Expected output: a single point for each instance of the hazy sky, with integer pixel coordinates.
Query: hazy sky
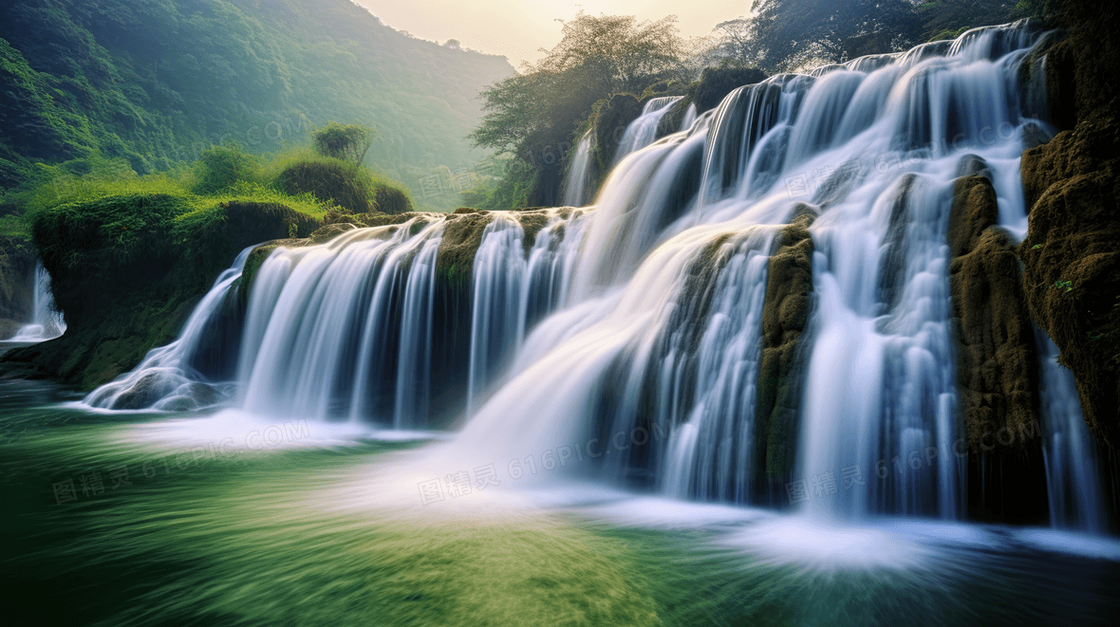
(518, 28)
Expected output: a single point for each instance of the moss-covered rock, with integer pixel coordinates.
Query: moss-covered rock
(997, 360)
(785, 316)
(17, 281)
(609, 123)
(1083, 70)
(127, 270)
(255, 222)
(461, 238)
(716, 83)
(1071, 274)
(330, 180)
(390, 199)
(1072, 264)
(331, 231)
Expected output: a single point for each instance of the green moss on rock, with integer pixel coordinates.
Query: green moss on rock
(127, 271)
(17, 281)
(1071, 263)
(332, 181)
(997, 360)
(391, 199)
(461, 238)
(785, 316)
(609, 123)
(716, 83)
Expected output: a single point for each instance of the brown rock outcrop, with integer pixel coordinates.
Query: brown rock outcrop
(1072, 260)
(997, 360)
(785, 315)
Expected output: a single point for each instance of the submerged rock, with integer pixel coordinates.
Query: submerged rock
(892, 265)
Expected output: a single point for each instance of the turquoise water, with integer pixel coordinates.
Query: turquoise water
(316, 530)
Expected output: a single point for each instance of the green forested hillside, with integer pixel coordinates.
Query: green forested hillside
(155, 82)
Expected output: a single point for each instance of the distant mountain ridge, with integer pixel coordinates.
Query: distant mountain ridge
(156, 81)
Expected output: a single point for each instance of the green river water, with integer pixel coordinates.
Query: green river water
(158, 533)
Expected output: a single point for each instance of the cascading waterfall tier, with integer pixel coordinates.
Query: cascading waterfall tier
(46, 323)
(653, 341)
(643, 130)
(366, 327)
(578, 178)
(658, 366)
(186, 374)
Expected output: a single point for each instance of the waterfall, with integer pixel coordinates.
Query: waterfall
(689, 117)
(643, 130)
(1075, 494)
(358, 328)
(46, 323)
(173, 377)
(499, 272)
(342, 329)
(898, 396)
(661, 334)
(579, 173)
(636, 342)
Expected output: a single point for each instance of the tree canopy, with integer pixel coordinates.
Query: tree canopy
(534, 114)
(347, 142)
(790, 35)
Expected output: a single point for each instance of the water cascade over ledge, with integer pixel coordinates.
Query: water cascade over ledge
(654, 341)
(46, 323)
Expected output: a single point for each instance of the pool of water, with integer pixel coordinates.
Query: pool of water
(163, 519)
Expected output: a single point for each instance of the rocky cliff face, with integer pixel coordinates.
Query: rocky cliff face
(116, 311)
(17, 284)
(997, 361)
(1072, 260)
(1071, 255)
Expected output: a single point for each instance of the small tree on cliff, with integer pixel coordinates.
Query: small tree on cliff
(348, 142)
(534, 114)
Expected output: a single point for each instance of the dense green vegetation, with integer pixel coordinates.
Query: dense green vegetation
(130, 255)
(126, 252)
(349, 142)
(153, 83)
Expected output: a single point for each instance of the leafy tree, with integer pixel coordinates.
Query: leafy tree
(733, 41)
(221, 167)
(534, 115)
(793, 34)
(347, 142)
(946, 19)
(626, 51)
(788, 35)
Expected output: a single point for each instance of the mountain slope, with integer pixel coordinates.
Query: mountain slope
(156, 81)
